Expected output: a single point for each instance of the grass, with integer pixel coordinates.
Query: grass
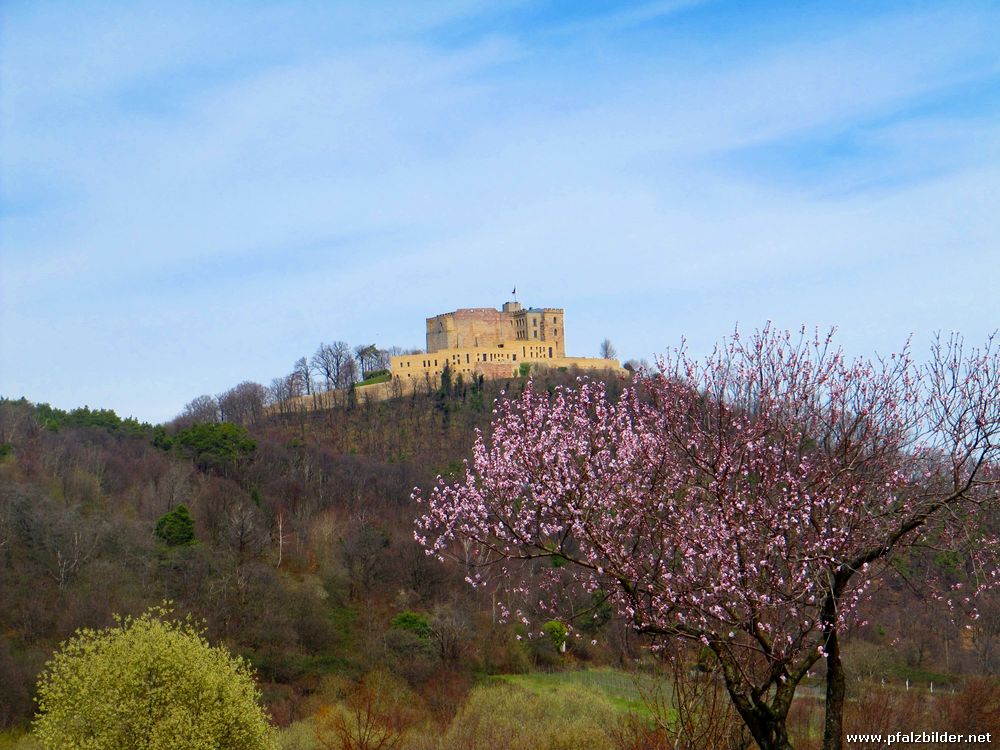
(922, 676)
(624, 690)
(17, 739)
(383, 378)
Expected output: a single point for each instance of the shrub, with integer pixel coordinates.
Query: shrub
(556, 633)
(415, 622)
(408, 655)
(300, 735)
(503, 715)
(176, 527)
(214, 445)
(974, 710)
(149, 682)
(377, 715)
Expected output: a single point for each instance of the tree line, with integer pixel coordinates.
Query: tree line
(333, 367)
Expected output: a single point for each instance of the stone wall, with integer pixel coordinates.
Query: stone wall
(485, 327)
(473, 327)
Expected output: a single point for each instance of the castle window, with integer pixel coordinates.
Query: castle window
(534, 334)
(550, 352)
(515, 358)
(466, 359)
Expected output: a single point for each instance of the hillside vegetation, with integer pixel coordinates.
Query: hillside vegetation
(291, 537)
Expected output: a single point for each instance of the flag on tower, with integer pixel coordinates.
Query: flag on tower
(515, 291)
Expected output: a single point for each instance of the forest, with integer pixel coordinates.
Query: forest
(288, 535)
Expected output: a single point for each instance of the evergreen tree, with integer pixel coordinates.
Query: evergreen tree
(176, 527)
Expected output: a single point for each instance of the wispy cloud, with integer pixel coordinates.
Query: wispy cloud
(205, 193)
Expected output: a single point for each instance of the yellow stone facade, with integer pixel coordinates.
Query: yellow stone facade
(492, 343)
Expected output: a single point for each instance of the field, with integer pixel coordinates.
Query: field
(628, 692)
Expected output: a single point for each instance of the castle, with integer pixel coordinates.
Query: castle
(492, 343)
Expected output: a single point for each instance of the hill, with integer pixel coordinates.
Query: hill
(303, 548)
(295, 546)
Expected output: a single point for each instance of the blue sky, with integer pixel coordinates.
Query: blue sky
(196, 194)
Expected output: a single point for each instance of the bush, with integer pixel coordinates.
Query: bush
(502, 715)
(408, 655)
(149, 682)
(300, 735)
(504, 653)
(415, 622)
(377, 715)
(176, 527)
(214, 445)
(17, 741)
(556, 633)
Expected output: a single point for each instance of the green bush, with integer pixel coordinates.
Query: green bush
(415, 622)
(212, 446)
(556, 633)
(150, 683)
(176, 527)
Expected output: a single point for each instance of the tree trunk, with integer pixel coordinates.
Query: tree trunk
(766, 723)
(769, 732)
(833, 731)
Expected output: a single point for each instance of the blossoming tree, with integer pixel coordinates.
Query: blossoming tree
(750, 500)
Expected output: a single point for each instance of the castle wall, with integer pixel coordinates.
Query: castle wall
(473, 342)
(493, 343)
(486, 327)
(468, 361)
(473, 327)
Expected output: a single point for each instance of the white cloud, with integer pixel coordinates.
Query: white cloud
(354, 187)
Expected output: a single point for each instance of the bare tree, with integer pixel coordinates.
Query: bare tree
(607, 350)
(14, 417)
(375, 716)
(345, 373)
(244, 532)
(243, 404)
(303, 376)
(348, 374)
(6, 524)
(200, 410)
(329, 362)
(280, 391)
